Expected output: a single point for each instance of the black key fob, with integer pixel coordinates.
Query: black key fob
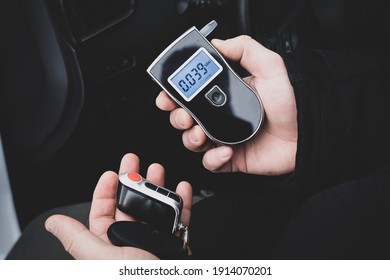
(157, 211)
(148, 202)
(160, 243)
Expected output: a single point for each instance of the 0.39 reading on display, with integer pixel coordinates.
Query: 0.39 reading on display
(195, 74)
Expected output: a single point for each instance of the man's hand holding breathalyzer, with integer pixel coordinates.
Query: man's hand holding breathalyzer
(272, 151)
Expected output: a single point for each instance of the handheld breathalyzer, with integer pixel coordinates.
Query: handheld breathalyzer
(196, 76)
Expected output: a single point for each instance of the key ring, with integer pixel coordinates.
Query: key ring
(184, 235)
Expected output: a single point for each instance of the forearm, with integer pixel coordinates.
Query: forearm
(343, 116)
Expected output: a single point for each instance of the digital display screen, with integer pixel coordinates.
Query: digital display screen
(194, 74)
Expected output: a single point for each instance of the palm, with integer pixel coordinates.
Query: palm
(273, 149)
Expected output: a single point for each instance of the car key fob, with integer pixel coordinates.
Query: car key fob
(148, 202)
(196, 76)
(157, 211)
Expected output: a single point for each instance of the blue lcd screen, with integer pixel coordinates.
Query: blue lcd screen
(194, 74)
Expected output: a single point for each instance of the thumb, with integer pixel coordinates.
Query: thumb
(254, 57)
(76, 238)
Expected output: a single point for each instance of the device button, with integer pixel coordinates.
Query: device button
(216, 96)
(151, 186)
(135, 177)
(162, 191)
(174, 196)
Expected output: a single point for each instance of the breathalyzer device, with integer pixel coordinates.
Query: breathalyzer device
(198, 78)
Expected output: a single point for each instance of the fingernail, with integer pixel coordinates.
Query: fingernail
(223, 152)
(193, 137)
(216, 41)
(179, 120)
(51, 227)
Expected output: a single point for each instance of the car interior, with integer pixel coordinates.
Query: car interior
(75, 97)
